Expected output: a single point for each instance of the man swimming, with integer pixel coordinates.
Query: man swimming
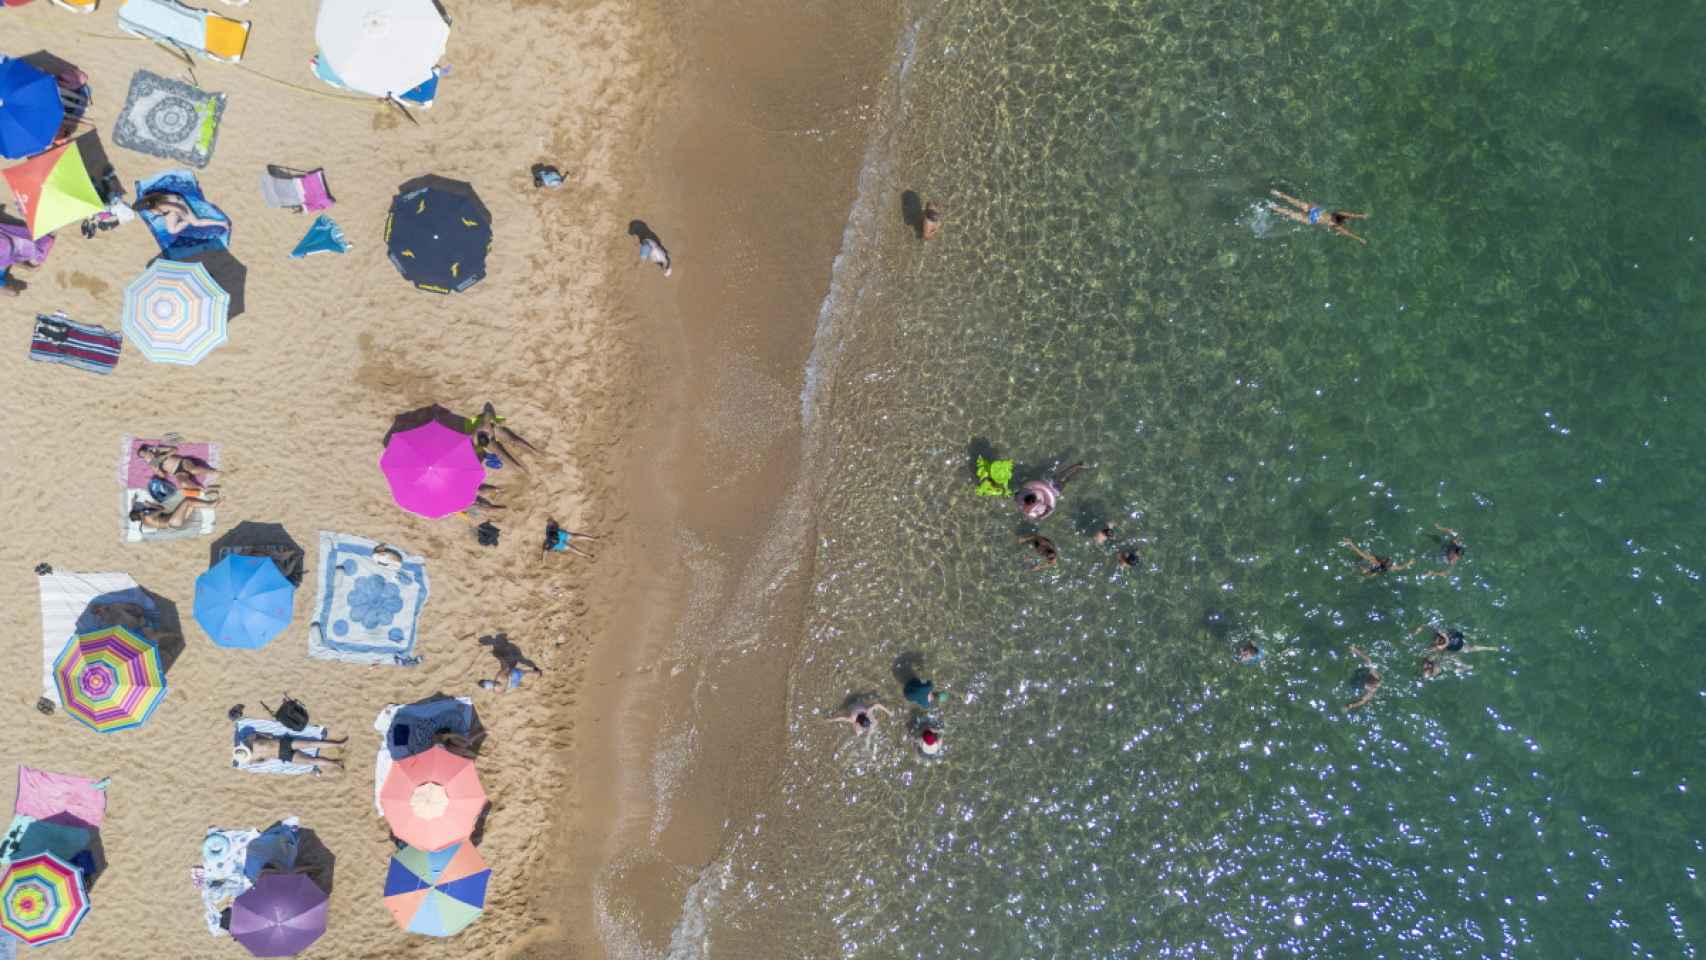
(862, 715)
(1374, 566)
(1370, 681)
(1311, 215)
(1045, 550)
(1450, 552)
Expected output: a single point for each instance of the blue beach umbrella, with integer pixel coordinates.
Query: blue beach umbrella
(438, 235)
(30, 111)
(243, 601)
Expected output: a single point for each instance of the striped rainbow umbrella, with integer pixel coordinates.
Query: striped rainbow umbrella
(42, 899)
(175, 312)
(111, 678)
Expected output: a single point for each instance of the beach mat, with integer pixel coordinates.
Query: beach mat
(428, 716)
(133, 476)
(190, 241)
(225, 872)
(58, 339)
(365, 611)
(274, 728)
(67, 600)
(169, 118)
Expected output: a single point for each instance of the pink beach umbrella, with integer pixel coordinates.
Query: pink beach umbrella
(432, 469)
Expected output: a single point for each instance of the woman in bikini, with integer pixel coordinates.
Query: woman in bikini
(1310, 215)
(181, 469)
(175, 213)
(155, 517)
(1374, 566)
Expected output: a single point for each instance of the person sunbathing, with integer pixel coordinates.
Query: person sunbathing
(132, 616)
(257, 748)
(559, 539)
(155, 517)
(182, 469)
(175, 213)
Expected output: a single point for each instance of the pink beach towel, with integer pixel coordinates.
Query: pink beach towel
(134, 472)
(61, 798)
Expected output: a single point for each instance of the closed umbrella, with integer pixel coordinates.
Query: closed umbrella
(432, 469)
(437, 893)
(280, 916)
(243, 601)
(432, 799)
(176, 312)
(438, 237)
(30, 110)
(42, 899)
(111, 679)
(53, 189)
(382, 47)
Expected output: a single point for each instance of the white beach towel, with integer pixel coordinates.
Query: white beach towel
(366, 611)
(64, 598)
(276, 729)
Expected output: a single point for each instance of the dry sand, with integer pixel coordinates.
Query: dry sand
(329, 348)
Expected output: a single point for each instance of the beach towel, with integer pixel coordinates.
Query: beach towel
(226, 871)
(276, 729)
(366, 611)
(407, 729)
(169, 118)
(324, 236)
(134, 475)
(57, 339)
(68, 602)
(191, 240)
(61, 798)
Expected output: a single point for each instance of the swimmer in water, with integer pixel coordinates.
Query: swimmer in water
(1450, 552)
(1037, 498)
(1249, 653)
(1311, 215)
(1370, 681)
(1102, 536)
(1450, 641)
(929, 741)
(863, 716)
(1127, 559)
(1047, 555)
(1374, 566)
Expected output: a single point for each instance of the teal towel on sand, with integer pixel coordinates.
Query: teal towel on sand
(325, 236)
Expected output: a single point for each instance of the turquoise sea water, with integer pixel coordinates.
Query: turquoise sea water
(1515, 353)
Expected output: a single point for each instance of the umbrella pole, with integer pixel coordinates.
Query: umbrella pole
(393, 101)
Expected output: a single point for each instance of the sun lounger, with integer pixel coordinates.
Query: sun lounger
(186, 28)
(289, 190)
(78, 6)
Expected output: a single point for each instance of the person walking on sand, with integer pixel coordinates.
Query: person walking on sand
(862, 715)
(511, 664)
(1370, 681)
(559, 540)
(1311, 215)
(1374, 566)
(1450, 552)
(1037, 498)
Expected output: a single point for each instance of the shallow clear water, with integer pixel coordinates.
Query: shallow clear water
(1514, 354)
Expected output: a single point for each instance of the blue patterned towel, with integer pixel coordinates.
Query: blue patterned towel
(366, 611)
(191, 240)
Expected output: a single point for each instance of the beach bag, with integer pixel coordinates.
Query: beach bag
(291, 713)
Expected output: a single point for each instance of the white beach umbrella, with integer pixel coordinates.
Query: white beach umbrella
(382, 47)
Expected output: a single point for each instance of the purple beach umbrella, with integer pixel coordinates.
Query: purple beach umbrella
(432, 469)
(280, 916)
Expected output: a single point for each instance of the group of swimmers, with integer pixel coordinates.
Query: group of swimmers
(926, 733)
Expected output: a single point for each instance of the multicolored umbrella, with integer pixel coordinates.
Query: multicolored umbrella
(437, 236)
(42, 899)
(30, 109)
(382, 47)
(111, 678)
(433, 470)
(53, 189)
(175, 312)
(243, 601)
(432, 799)
(280, 916)
(437, 893)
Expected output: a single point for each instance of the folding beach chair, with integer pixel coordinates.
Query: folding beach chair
(294, 190)
(186, 28)
(78, 6)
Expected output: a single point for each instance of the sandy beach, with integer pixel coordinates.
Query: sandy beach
(326, 352)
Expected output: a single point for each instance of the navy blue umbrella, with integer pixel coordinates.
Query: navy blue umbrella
(438, 236)
(30, 111)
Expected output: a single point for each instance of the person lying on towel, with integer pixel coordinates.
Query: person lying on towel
(256, 748)
(175, 213)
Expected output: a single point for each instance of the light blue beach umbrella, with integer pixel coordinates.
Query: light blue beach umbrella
(176, 312)
(243, 601)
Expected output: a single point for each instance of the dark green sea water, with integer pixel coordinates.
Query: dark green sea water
(1516, 353)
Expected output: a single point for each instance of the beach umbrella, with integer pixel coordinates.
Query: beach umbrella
(111, 678)
(382, 47)
(280, 916)
(433, 470)
(30, 110)
(42, 899)
(437, 893)
(438, 237)
(243, 601)
(175, 312)
(432, 799)
(53, 189)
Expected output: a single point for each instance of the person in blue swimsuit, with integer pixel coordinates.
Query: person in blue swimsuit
(923, 692)
(1311, 215)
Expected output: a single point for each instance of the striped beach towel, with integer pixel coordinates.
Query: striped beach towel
(58, 339)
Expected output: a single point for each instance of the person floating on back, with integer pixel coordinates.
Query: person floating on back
(1037, 498)
(1374, 566)
(1314, 216)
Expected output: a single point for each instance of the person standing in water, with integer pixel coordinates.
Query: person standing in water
(1450, 552)
(923, 692)
(929, 740)
(862, 715)
(1370, 681)
(1036, 499)
(1249, 654)
(1374, 566)
(931, 223)
(1311, 215)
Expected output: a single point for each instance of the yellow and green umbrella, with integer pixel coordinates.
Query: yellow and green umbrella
(53, 189)
(111, 678)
